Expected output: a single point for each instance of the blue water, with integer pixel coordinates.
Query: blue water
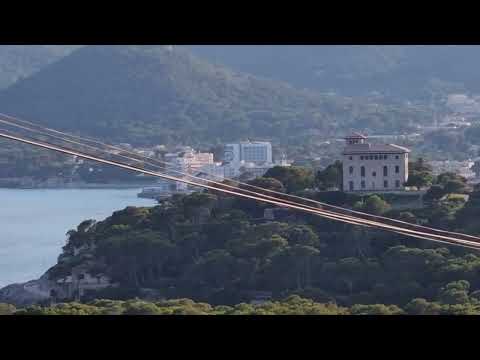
(33, 224)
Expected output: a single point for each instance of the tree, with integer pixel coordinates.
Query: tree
(294, 178)
(302, 235)
(378, 309)
(302, 258)
(420, 166)
(419, 179)
(467, 217)
(455, 293)
(373, 204)
(444, 178)
(420, 174)
(456, 187)
(331, 177)
(265, 183)
(422, 307)
(7, 309)
(435, 193)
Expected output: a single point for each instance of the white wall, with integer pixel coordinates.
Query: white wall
(375, 183)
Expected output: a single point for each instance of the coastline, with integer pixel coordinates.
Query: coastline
(80, 186)
(38, 219)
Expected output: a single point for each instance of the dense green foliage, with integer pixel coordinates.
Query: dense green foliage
(213, 248)
(330, 177)
(294, 305)
(151, 94)
(454, 299)
(420, 175)
(7, 309)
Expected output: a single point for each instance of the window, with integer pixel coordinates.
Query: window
(385, 171)
(350, 170)
(362, 171)
(385, 157)
(397, 183)
(371, 157)
(397, 169)
(385, 184)
(397, 157)
(350, 157)
(350, 184)
(374, 174)
(376, 157)
(361, 157)
(363, 184)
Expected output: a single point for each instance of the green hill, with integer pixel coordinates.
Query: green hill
(405, 72)
(156, 94)
(20, 61)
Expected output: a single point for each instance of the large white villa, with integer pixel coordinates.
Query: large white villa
(373, 167)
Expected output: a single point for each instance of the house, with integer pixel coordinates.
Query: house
(373, 167)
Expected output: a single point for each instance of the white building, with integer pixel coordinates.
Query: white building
(255, 157)
(373, 167)
(462, 168)
(186, 161)
(256, 152)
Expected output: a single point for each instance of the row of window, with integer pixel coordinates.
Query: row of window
(374, 174)
(363, 184)
(374, 157)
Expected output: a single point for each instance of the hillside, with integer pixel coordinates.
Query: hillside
(20, 61)
(153, 94)
(217, 249)
(405, 72)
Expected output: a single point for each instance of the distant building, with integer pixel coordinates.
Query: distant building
(373, 167)
(253, 158)
(462, 168)
(256, 152)
(187, 161)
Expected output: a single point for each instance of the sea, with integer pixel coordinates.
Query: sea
(34, 223)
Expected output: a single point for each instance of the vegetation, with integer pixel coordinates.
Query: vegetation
(20, 61)
(213, 248)
(155, 95)
(330, 177)
(21, 161)
(455, 299)
(386, 72)
(420, 174)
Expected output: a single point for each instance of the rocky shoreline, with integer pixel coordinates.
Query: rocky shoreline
(26, 294)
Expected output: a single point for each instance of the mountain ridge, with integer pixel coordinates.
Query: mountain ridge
(156, 94)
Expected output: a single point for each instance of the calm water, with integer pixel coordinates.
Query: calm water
(33, 224)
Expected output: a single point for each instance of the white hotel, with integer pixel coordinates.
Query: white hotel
(256, 157)
(373, 167)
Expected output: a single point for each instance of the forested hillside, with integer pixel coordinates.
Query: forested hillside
(156, 94)
(402, 72)
(213, 248)
(20, 61)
